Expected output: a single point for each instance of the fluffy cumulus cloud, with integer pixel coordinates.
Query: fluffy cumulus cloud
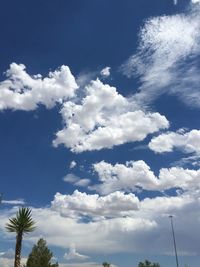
(74, 255)
(98, 117)
(136, 175)
(189, 142)
(96, 207)
(185, 179)
(128, 177)
(21, 91)
(103, 119)
(167, 57)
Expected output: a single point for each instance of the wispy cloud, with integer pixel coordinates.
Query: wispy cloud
(193, 160)
(75, 180)
(167, 58)
(13, 202)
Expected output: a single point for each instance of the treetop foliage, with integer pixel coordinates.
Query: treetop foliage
(40, 256)
(147, 263)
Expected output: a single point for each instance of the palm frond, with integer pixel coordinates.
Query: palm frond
(23, 222)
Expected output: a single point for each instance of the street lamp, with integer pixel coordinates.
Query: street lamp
(171, 219)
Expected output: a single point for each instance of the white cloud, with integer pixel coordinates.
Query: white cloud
(167, 58)
(9, 254)
(84, 264)
(188, 142)
(98, 117)
(78, 264)
(118, 222)
(72, 164)
(104, 119)
(8, 262)
(13, 202)
(4, 262)
(82, 182)
(133, 233)
(75, 180)
(179, 177)
(74, 255)
(175, 2)
(129, 177)
(103, 236)
(193, 160)
(105, 72)
(137, 174)
(195, 1)
(96, 207)
(71, 178)
(21, 91)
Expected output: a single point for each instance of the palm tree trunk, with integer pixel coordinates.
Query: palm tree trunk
(18, 250)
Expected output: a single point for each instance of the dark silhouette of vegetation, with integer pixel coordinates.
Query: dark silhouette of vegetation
(21, 224)
(40, 256)
(106, 264)
(147, 263)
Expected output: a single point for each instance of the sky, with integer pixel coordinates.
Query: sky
(99, 129)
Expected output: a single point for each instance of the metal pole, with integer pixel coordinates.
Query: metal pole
(171, 219)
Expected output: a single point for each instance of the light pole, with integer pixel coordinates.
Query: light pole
(171, 219)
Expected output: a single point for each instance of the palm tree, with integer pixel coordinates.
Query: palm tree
(21, 224)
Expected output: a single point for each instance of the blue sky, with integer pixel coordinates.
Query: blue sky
(99, 128)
